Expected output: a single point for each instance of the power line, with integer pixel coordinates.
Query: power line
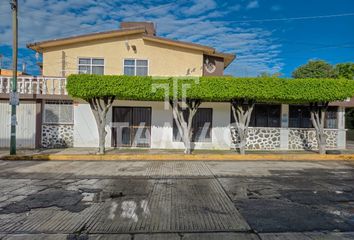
(141, 13)
(319, 46)
(293, 18)
(132, 15)
(316, 44)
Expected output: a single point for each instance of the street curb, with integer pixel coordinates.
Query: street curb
(179, 157)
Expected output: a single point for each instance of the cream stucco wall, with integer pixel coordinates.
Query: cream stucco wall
(164, 60)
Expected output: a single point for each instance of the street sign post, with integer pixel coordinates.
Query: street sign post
(14, 94)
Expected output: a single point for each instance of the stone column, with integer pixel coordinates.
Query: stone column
(341, 137)
(284, 130)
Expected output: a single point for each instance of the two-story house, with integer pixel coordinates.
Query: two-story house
(53, 119)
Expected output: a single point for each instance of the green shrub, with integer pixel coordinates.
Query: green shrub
(216, 89)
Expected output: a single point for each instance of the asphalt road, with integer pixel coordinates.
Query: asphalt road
(176, 200)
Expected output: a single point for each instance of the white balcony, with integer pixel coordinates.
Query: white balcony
(35, 85)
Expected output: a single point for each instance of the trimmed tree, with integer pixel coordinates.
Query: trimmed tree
(184, 121)
(83, 86)
(318, 114)
(100, 107)
(242, 112)
(242, 93)
(318, 93)
(100, 92)
(185, 100)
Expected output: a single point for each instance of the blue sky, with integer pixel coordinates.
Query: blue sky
(279, 42)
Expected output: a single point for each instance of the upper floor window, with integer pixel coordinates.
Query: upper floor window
(135, 67)
(91, 66)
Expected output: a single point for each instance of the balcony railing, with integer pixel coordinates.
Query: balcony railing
(35, 85)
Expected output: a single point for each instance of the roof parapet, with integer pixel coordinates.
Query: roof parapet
(148, 26)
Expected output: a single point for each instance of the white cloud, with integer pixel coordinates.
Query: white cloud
(199, 6)
(252, 4)
(198, 21)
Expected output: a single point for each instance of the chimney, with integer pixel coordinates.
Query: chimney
(149, 26)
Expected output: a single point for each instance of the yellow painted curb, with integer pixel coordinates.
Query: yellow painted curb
(176, 157)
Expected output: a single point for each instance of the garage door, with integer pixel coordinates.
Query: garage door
(26, 124)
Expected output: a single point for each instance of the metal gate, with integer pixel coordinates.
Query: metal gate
(131, 127)
(26, 124)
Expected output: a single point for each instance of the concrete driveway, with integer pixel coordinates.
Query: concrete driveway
(176, 200)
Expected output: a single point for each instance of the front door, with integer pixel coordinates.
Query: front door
(131, 126)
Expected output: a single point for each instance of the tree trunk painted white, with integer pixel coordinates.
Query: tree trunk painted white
(100, 107)
(184, 123)
(242, 112)
(318, 115)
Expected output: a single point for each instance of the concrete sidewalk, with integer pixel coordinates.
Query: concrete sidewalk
(173, 154)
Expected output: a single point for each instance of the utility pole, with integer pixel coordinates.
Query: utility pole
(13, 94)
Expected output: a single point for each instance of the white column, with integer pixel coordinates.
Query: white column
(284, 130)
(8, 85)
(23, 88)
(65, 82)
(30, 87)
(53, 87)
(60, 86)
(1, 84)
(38, 91)
(44, 88)
(341, 137)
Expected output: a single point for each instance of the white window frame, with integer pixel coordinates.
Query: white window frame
(136, 59)
(59, 103)
(90, 64)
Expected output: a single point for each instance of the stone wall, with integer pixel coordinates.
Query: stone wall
(298, 138)
(259, 138)
(302, 138)
(57, 136)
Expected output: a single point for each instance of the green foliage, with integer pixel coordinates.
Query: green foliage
(216, 89)
(227, 88)
(87, 86)
(315, 69)
(316, 90)
(345, 70)
(267, 74)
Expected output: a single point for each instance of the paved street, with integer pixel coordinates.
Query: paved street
(176, 200)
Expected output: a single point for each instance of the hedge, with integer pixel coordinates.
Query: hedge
(86, 86)
(216, 89)
(316, 90)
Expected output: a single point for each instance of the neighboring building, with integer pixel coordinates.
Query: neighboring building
(52, 119)
(8, 73)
